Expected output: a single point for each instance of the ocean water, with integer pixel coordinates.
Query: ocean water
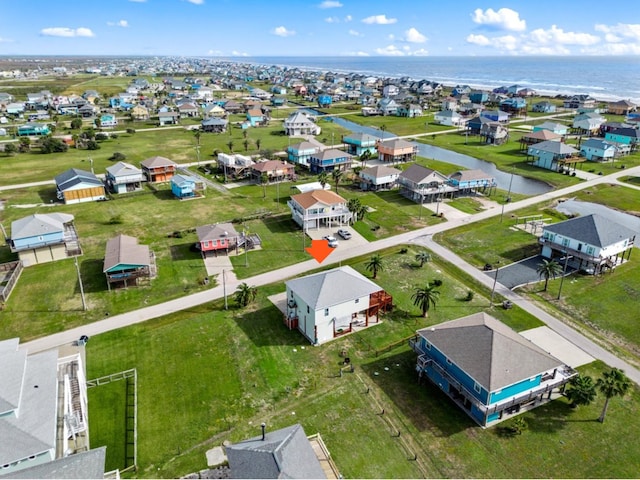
(604, 78)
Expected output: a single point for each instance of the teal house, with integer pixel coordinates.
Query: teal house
(300, 153)
(30, 129)
(626, 136)
(552, 155)
(358, 143)
(329, 160)
(488, 370)
(183, 186)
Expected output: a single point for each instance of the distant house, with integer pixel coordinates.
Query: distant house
(108, 120)
(77, 186)
(126, 261)
(214, 125)
(158, 169)
(33, 129)
(409, 110)
(514, 105)
(378, 178)
(140, 112)
(471, 180)
(42, 238)
(474, 125)
(598, 150)
(300, 153)
(495, 115)
(397, 150)
(234, 166)
(123, 178)
(580, 102)
(298, 124)
(478, 96)
(319, 208)
(555, 127)
(185, 186)
(44, 424)
(325, 305)
(487, 369)
(625, 136)
(324, 101)
(593, 242)
(256, 117)
(450, 118)
(417, 183)
(218, 238)
(284, 453)
(552, 155)
(588, 123)
(168, 118)
(537, 137)
(188, 109)
(543, 107)
(387, 106)
(275, 170)
(214, 110)
(329, 160)
(621, 107)
(494, 133)
(358, 143)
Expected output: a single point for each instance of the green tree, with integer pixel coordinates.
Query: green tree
(245, 294)
(76, 123)
(245, 142)
(93, 145)
(337, 176)
(230, 145)
(258, 143)
(53, 145)
(423, 257)
(581, 390)
(323, 178)
(25, 144)
(98, 122)
(375, 265)
(613, 383)
(264, 179)
(425, 298)
(197, 134)
(548, 269)
(364, 156)
(10, 149)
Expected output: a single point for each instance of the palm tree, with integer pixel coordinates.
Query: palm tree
(581, 390)
(383, 127)
(548, 269)
(245, 294)
(364, 156)
(323, 178)
(337, 176)
(613, 383)
(425, 298)
(264, 178)
(354, 206)
(375, 265)
(230, 145)
(423, 257)
(197, 134)
(245, 142)
(258, 143)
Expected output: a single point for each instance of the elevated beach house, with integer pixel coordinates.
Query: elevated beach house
(379, 177)
(158, 169)
(123, 178)
(591, 242)
(553, 155)
(358, 143)
(418, 183)
(300, 153)
(44, 237)
(329, 160)
(298, 124)
(126, 261)
(397, 150)
(186, 186)
(487, 369)
(217, 238)
(467, 181)
(77, 186)
(598, 150)
(325, 305)
(319, 208)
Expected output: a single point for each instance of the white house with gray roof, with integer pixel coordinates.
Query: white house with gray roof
(43, 406)
(325, 305)
(593, 242)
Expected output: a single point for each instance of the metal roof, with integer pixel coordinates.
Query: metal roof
(39, 224)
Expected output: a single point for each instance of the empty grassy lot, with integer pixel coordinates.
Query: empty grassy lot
(215, 375)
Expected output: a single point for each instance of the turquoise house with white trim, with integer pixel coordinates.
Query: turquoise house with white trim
(487, 369)
(31, 129)
(183, 186)
(358, 143)
(626, 136)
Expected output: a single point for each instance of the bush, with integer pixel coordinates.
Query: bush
(404, 250)
(93, 145)
(102, 136)
(117, 157)
(76, 123)
(131, 131)
(437, 282)
(116, 220)
(470, 295)
(53, 145)
(113, 135)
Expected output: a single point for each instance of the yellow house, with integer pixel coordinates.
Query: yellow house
(140, 112)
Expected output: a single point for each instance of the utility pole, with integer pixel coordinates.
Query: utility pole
(84, 302)
(224, 290)
(508, 199)
(564, 272)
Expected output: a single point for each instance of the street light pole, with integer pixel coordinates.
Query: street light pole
(84, 302)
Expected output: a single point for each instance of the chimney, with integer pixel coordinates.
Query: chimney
(264, 425)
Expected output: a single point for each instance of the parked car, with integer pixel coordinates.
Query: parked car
(346, 234)
(333, 241)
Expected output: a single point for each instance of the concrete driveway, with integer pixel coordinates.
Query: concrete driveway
(355, 240)
(558, 346)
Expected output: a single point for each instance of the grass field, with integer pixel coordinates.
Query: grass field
(223, 373)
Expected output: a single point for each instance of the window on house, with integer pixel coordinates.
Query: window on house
(477, 387)
(565, 242)
(326, 312)
(427, 345)
(308, 309)
(357, 300)
(590, 250)
(448, 362)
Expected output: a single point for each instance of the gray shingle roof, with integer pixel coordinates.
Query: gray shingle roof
(77, 466)
(379, 171)
(123, 168)
(491, 353)
(333, 287)
(592, 229)
(215, 232)
(124, 250)
(284, 453)
(416, 173)
(39, 224)
(558, 148)
(157, 161)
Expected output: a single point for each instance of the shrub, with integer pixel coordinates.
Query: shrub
(93, 145)
(76, 123)
(470, 295)
(131, 131)
(117, 157)
(116, 220)
(437, 282)
(404, 250)
(102, 136)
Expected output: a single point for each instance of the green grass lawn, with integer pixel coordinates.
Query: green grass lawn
(215, 375)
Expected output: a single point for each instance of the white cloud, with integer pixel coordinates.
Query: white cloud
(478, 40)
(506, 42)
(390, 51)
(138, 1)
(283, 32)
(330, 4)
(379, 20)
(391, 36)
(348, 18)
(557, 36)
(196, 2)
(503, 19)
(421, 52)
(235, 53)
(414, 36)
(5, 40)
(332, 20)
(119, 23)
(615, 33)
(67, 32)
(355, 54)
(355, 33)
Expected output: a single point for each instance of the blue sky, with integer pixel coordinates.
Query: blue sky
(233, 28)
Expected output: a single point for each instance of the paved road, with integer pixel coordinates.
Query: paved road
(422, 236)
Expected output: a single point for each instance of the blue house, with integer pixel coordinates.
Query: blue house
(300, 153)
(329, 160)
(487, 369)
(467, 180)
(29, 129)
(555, 127)
(358, 143)
(324, 100)
(552, 155)
(543, 107)
(598, 150)
(514, 105)
(255, 117)
(626, 136)
(478, 96)
(183, 186)
(41, 238)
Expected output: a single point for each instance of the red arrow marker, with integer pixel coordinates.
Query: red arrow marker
(319, 250)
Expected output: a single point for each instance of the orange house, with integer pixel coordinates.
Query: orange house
(158, 169)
